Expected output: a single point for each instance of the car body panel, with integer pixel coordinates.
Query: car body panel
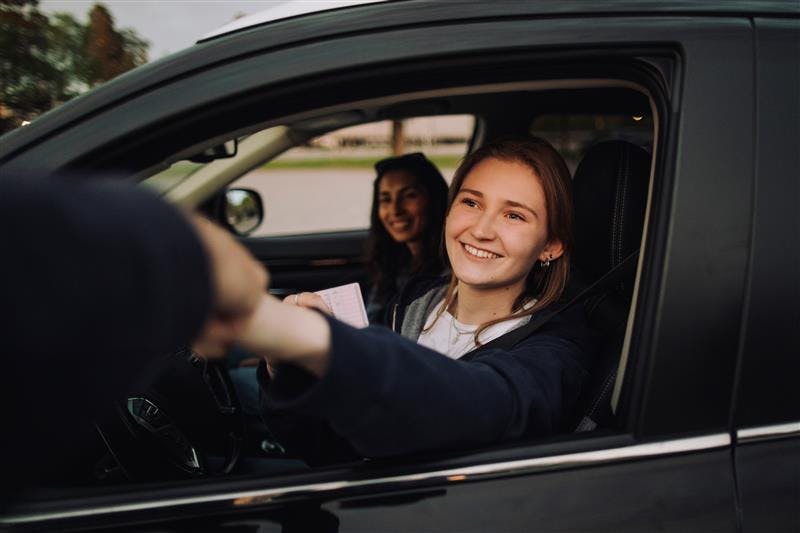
(361, 19)
(670, 485)
(284, 10)
(767, 413)
(170, 105)
(706, 243)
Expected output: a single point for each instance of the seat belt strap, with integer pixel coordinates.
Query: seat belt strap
(624, 269)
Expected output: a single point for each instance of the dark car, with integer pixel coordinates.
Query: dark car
(682, 123)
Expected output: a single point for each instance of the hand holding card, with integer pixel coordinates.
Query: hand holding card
(346, 304)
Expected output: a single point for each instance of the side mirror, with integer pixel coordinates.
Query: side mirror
(221, 151)
(242, 210)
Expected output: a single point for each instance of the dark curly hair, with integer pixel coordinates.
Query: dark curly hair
(387, 258)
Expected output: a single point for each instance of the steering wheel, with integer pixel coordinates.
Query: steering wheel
(186, 423)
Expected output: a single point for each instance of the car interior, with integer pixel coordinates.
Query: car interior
(607, 130)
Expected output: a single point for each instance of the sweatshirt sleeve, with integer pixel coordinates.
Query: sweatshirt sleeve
(388, 395)
(97, 281)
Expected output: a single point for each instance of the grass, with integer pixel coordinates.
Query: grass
(183, 168)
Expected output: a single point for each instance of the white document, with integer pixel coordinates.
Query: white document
(347, 304)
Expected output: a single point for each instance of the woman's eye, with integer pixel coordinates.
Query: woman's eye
(469, 202)
(383, 200)
(516, 216)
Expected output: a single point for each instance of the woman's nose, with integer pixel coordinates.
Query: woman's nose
(483, 228)
(398, 206)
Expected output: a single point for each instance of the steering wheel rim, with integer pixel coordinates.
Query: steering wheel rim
(187, 423)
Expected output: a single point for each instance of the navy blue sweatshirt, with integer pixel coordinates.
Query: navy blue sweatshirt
(387, 395)
(97, 281)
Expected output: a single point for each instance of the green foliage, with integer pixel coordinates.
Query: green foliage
(46, 60)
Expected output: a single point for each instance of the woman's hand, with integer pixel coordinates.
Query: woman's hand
(285, 333)
(238, 281)
(310, 300)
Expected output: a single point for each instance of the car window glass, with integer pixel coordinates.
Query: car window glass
(326, 184)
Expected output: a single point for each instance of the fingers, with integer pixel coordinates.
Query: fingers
(238, 279)
(310, 300)
(218, 334)
(238, 282)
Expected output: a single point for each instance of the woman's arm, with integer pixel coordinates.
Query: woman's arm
(387, 395)
(285, 333)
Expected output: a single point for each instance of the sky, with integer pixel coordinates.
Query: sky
(169, 25)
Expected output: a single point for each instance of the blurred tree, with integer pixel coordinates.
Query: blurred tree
(110, 52)
(28, 81)
(398, 138)
(46, 60)
(67, 36)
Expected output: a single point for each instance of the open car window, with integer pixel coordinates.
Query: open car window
(325, 185)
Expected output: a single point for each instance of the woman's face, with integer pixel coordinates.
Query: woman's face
(402, 206)
(497, 226)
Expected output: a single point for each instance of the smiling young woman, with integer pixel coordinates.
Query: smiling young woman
(408, 204)
(508, 238)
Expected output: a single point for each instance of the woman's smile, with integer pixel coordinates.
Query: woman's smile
(479, 253)
(400, 224)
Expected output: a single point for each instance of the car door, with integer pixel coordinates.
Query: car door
(767, 416)
(667, 466)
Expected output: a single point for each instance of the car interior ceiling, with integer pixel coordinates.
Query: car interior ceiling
(490, 110)
(493, 108)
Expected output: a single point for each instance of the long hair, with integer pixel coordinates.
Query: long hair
(386, 258)
(544, 284)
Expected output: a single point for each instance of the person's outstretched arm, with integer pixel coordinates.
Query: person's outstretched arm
(96, 282)
(387, 395)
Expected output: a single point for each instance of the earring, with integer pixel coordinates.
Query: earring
(546, 264)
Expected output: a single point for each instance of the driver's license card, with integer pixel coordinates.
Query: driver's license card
(347, 304)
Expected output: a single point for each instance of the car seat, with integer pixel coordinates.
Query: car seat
(610, 196)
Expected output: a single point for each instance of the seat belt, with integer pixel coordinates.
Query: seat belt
(624, 269)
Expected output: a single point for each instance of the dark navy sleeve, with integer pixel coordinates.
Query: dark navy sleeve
(388, 395)
(109, 263)
(96, 282)
(304, 436)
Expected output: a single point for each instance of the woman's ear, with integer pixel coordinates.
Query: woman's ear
(552, 250)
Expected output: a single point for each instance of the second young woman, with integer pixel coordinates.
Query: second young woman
(408, 203)
(508, 238)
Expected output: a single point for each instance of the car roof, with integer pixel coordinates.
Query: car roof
(290, 9)
(362, 17)
(284, 10)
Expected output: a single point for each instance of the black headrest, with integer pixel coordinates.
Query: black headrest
(610, 191)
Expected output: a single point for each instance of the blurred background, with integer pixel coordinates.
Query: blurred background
(54, 50)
